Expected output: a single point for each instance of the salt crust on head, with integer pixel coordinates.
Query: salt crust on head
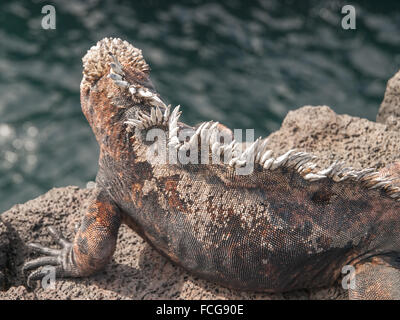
(96, 62)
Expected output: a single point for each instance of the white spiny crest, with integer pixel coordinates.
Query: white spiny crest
(300, 161)
(258, 152)
(156, 101)
(227, 151)
(266, 155)
(118, 76)
(146, 121)
(213, 133)
(268, 163)
(173, 128)
(327, 172)
(337, 170)
(194, 139)
(247, 155)
(262, 148)
(215, 148)
(153, 116)
(167, 112)
(205, 131)
(156, 117)
(173, 121)
(363, 173)
(281, 160)
(252, 153)
(134, 123)
(159, 116)
(382, 183)
(307, 167)
(207, 134)
(313, 177)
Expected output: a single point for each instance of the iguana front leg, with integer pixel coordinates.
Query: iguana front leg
(92, 248)
(377, 279)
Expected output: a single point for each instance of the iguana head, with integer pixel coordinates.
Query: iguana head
(115, 78)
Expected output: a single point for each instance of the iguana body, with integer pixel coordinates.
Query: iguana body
(283, 226)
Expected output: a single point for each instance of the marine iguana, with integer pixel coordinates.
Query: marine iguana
(282, 226)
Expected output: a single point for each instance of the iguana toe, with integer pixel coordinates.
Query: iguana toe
(60, 259)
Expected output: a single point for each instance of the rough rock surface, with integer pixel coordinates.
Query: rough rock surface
(4, 245)
(358, 142)
(137, 271)
(390, 106)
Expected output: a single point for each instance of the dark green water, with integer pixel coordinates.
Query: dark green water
(243, 63)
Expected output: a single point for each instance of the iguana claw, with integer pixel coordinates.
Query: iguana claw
(54, 257)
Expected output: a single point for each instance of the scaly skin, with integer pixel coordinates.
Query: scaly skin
(276, 229)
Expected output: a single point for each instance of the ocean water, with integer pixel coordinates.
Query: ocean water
(243, 63)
